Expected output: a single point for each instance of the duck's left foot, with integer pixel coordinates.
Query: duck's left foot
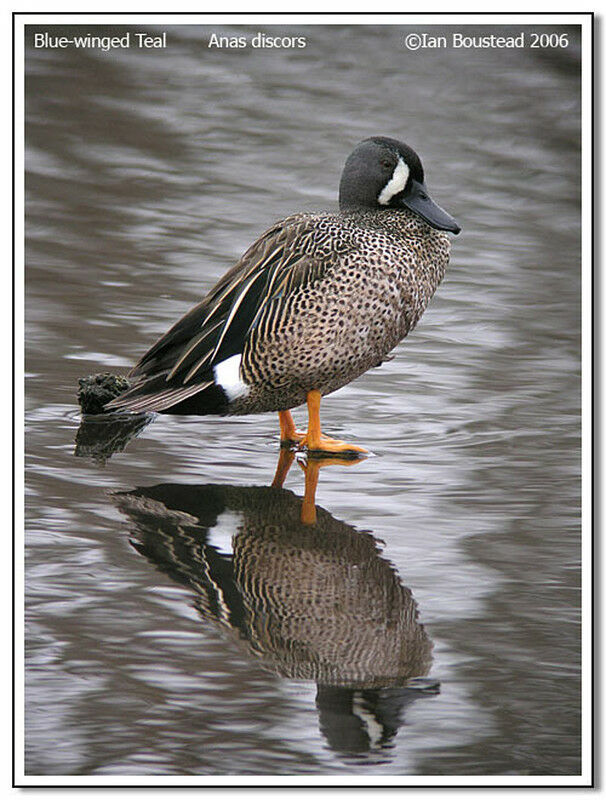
(289, 435)
(294, 439)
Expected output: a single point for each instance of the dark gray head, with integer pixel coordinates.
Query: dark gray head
(384, 173)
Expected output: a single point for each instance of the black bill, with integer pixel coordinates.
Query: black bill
(416, 199)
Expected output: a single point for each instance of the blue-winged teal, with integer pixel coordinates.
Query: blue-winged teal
(316, 301)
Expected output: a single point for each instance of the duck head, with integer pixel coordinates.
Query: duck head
(385, 173)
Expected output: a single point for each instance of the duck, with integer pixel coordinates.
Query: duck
(315, 302)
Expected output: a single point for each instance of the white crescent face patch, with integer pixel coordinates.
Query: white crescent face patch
(396, 183)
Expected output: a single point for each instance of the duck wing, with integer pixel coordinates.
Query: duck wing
(180, 364)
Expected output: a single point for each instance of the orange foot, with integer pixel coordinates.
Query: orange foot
(316, 443)
(296, 437)
(326, 446)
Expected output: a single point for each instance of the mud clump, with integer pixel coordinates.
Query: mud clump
(96, 391)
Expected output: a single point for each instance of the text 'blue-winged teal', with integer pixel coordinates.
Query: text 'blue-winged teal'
(316, 301)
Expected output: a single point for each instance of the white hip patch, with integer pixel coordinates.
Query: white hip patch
(227, 376)
(397, 182)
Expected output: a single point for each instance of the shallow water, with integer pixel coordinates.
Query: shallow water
(159, 641)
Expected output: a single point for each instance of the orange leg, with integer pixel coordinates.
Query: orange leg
(314, 440)
(288, 431)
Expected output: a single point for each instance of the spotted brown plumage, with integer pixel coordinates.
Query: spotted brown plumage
(315, 302)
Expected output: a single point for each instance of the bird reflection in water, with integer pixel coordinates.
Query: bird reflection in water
(308, 595)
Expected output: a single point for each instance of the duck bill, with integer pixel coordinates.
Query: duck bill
(418, 200)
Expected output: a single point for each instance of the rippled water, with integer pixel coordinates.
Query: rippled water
(181, 619)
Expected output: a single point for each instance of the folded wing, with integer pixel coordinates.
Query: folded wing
(181, 363)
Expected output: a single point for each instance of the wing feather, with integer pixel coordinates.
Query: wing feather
(186, 356)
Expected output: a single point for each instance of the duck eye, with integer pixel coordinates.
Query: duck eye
(385, 163)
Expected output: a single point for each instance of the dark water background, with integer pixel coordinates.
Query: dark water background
(151, 649)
